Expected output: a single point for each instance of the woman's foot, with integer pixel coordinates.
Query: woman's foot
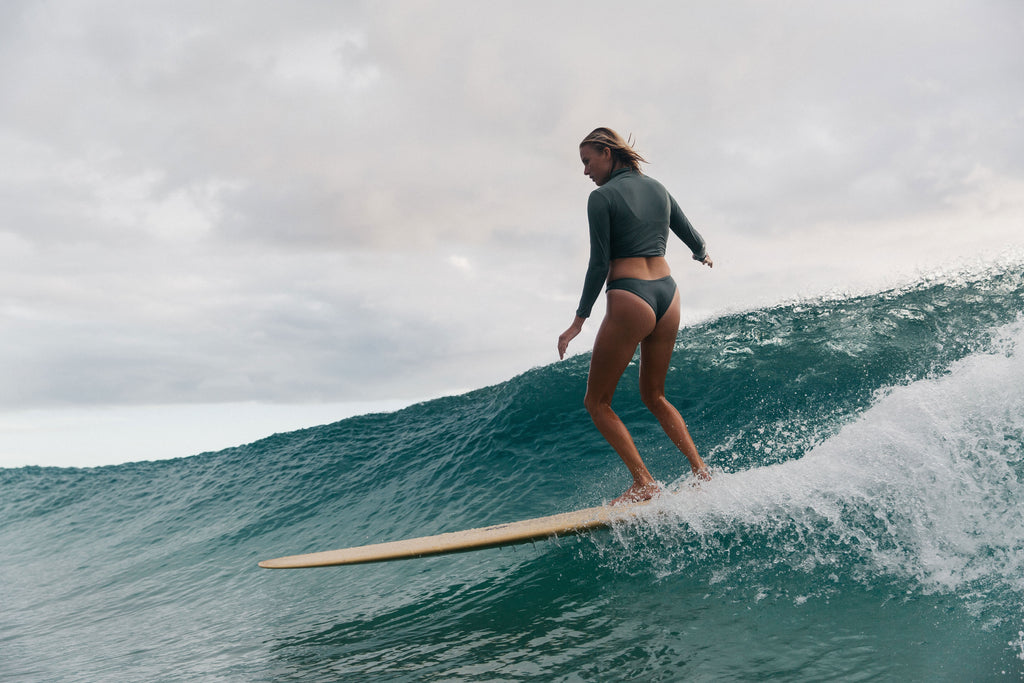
(637, 493)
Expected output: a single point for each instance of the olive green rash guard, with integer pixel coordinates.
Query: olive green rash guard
(630, 215)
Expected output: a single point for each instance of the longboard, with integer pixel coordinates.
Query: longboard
(564, 524)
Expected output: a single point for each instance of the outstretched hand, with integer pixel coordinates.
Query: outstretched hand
(707, 261)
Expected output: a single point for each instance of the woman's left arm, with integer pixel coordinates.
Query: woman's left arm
(685, 231)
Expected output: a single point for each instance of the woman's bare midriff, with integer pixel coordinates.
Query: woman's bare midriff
(639, 267)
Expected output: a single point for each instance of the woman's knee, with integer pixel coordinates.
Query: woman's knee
(652, 398)
(593, 403)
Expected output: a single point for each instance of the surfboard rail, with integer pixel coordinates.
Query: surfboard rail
(511, 533)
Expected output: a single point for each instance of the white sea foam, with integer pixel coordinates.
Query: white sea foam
(925, 485)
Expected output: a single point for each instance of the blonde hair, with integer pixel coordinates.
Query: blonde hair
(622, 150)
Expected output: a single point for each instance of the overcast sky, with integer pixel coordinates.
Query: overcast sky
(347, 205)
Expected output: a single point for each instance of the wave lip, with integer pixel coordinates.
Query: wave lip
(921, 487)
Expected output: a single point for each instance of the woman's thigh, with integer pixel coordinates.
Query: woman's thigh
(656, 352)
(628, 321)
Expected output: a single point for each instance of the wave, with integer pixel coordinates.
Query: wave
(920, 487)
(867, 452)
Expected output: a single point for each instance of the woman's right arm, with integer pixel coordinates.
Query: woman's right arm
(569, 335)
(600, 252)
(597, 268)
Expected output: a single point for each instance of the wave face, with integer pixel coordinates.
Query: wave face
(864, 522)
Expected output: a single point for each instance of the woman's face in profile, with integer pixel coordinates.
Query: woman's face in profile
(597, 163)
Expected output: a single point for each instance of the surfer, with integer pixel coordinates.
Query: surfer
(630, 215)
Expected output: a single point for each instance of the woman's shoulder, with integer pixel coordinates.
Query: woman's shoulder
(650, 181)
(600, 198)
(633, 178)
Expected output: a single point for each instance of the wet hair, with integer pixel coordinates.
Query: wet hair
(622, 150)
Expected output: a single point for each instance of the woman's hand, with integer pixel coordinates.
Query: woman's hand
(707, 261)
(569, 335)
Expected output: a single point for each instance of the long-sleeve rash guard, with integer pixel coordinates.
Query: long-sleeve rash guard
(630, 215)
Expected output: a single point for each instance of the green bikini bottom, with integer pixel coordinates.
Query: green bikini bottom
(658, 293)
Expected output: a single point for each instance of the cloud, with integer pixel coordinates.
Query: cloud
(334, 202)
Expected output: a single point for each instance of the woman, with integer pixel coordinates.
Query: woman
(630, 215)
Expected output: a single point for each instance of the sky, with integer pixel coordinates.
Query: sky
(223, 220)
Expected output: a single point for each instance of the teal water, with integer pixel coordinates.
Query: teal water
(864, 523)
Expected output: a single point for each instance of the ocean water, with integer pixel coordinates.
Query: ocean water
(864, 523)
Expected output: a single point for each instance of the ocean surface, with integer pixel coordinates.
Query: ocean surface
(865, 522)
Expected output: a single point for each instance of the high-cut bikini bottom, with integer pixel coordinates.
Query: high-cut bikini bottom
(657, 293)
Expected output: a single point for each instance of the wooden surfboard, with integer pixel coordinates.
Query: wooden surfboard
(564, 524)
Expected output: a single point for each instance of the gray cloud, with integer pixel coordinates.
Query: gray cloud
(355, 201)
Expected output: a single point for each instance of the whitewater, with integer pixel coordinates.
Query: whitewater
(863, 522)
